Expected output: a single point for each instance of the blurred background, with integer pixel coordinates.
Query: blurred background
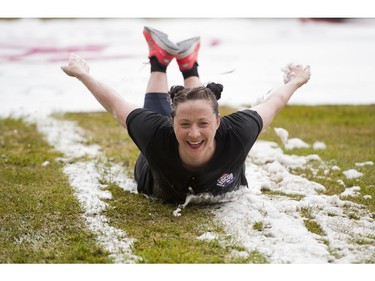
(244, 54)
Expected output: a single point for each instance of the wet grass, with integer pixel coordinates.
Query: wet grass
(40, 219)
(349, 134)
(160, 236)
(346, 130)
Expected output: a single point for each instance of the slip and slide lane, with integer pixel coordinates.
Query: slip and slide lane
(265, 217)
(282, 237)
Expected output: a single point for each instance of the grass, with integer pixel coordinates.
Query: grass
(113, 139)
(347, 131)
(39, 217)
(161, 237)
(41, 220)
(310, 223)
(164, 238)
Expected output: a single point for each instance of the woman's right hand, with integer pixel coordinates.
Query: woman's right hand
(76, 66)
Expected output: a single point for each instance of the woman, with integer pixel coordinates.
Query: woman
(186, 147)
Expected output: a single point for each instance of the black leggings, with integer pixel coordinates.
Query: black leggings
(158, 102)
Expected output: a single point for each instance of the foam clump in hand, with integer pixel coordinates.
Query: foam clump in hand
(287, 72)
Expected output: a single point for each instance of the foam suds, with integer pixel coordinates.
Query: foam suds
(33, 85)
(284, 237)
(85, 177)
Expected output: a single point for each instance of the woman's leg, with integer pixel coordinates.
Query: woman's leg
(161, 53)
(156, 97)
(192, 82)
(157, 83)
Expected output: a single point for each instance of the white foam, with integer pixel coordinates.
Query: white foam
(292, 143)
(319, 145)
(34, 86)
(352, 174)
(366, 163)
(280, 233)
(351, 191)
(85, 177)
(285, 238)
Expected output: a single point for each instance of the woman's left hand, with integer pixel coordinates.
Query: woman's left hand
(296, 73)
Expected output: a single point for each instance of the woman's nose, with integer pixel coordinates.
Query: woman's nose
(194, 132)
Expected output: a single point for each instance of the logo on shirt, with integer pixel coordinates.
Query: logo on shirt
(225, 180)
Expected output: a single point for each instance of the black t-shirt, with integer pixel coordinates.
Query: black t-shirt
(154, 135)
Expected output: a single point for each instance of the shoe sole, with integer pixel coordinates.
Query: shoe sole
(161, 39)
(187, 46)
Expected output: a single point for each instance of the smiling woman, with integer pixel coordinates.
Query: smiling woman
(195, 121)
(186, 147)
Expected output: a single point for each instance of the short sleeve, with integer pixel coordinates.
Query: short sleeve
(145, 126)
(243, 127)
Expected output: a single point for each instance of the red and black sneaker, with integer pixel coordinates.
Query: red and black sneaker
(160, 46)
(188, 53)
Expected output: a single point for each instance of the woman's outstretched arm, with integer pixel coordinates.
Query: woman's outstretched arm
(295, 77)
(106, 96)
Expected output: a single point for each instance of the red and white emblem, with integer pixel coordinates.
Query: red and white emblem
(225, 180)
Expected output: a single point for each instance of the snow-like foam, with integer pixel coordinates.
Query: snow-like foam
(85, 177)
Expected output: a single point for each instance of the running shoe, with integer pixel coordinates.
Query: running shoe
(159, 45)
(188, 53)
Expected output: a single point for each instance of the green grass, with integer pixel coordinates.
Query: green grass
(160, 236)
(348, 132)
(164, 238)
(310, 223)
(40, 220)
(102, 129)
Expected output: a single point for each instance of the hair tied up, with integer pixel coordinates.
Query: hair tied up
(174, 91)
(216, 89)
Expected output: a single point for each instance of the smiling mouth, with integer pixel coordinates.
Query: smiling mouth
(195, 145)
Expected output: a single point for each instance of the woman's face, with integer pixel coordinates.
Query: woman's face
(195, 126)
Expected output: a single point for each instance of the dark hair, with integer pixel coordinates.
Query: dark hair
(211, 92)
